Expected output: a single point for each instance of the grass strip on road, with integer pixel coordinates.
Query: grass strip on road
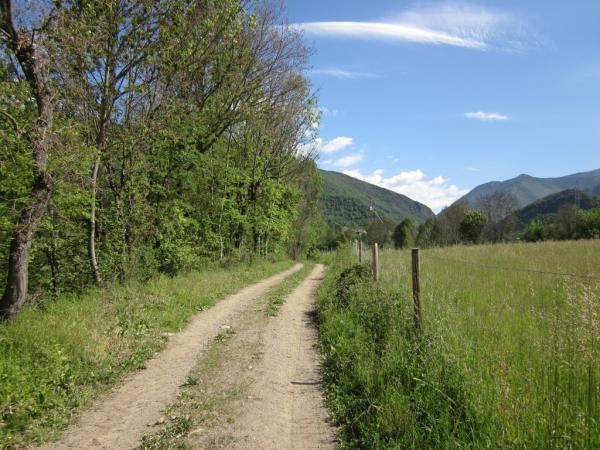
(276, 297)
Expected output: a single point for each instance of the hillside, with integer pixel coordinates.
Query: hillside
(346, 201)
(528, 189)
(551, 204)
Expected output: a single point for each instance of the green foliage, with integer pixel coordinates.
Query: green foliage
(387, 387)
(348, 281)
(539, 231)
(588, 224)
(379, 232)
(472, 226)
(404, 234)
(198, 143)
(425, 238)
(570, 223)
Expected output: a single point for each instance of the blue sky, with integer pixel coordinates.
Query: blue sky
(432, 98)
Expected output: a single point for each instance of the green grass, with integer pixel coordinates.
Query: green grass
(58, 357)
(276, 297)
(506, 358)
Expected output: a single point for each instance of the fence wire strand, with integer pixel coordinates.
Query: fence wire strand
(511, 269)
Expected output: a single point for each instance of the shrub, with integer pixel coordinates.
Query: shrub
(348, 281)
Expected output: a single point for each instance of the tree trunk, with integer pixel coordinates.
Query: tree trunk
(33, 63)
(51, 254)
(92, 224)
(17, 278)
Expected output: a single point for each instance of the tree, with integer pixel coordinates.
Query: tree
(404, 234)
(499, 208)
(588, 224)
(28, 47)
(425, 233)
(566, 221)
(379, 232)
(538, 231)
(446, 230)
(106, 69)
(472, 226)
(168, 132)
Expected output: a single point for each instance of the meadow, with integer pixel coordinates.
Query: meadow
(508, 355)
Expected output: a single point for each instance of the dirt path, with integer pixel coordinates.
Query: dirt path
(286, 408)
(120, 419)
(258, 385)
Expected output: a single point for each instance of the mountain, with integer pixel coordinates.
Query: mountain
(528, 189)
(550, 205)
(346, 202)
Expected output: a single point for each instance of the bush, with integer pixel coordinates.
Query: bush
(388, 387)
(538, 231)
(349, 280)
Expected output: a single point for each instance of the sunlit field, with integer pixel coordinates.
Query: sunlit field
(509, 354)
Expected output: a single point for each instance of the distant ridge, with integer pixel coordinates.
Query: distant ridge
(346, 201)
(550, 205)
(528, 189)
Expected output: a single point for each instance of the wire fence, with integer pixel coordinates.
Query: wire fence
(527, 339)
(591, 277)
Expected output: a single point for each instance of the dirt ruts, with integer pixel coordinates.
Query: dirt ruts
(286, 409)
(119, 419)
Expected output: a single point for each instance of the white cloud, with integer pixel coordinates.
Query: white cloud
(448, 23)
(319, 146)
(487, 117)
(335, 145)
(348, 161)
(434, 192)
(343, 74)
(388, 31)
(472, 169)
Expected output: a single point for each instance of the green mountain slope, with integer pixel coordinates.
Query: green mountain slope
(528, 189)
(551, 204)
(346, 201)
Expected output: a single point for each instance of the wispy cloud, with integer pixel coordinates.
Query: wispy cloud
(451, 23)
(434, 192)
(472, 169)
(327, 112)
(348, 161)
(388, 31)
(343, 74)
(487, 116)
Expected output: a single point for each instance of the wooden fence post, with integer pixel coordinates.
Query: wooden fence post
(375, 261)
(416, 287)
(360, 251)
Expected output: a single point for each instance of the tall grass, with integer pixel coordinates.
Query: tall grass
(55, 358)
(508, 358)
